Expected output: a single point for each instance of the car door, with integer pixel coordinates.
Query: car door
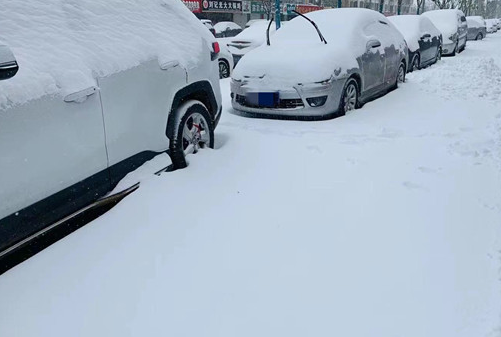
(428, 43)
(136, 104)
(52, 160)
(373, 60)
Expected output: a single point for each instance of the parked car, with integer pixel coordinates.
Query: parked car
(452, 24)
(208, 23)
(477, 28)
(356, 54)
(491, 26)
(253, 21)
(249, 39)
(93, 101)
(227, 29)
(225, 60)
(423, 39)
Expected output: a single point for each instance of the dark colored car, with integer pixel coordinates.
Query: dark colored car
(423, 39)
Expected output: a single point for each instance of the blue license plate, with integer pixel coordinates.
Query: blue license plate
(263, 99)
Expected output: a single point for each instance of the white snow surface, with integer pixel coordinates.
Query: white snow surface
(385, 222)
(62, 45)
(296, 54)
(256, 33)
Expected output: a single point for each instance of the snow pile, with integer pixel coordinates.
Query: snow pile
(484, 79)
(256, 33)
(408, 25)
(62, 45)
(297, 54)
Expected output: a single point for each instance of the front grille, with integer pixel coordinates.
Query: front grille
(291, 103)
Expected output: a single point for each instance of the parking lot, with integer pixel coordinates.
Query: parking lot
(387, 219)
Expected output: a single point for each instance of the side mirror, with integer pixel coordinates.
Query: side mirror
(425, 36)
(373, 44)
(8, 63)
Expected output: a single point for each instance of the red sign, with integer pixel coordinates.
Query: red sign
(303, 9)
(193, 5)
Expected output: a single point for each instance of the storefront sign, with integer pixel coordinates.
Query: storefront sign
(246, 7)
(193, 5)
(258, 7)
(222, 6)
(290, 8)
(303, 9)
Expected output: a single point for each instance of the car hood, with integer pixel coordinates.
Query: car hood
(290, 65)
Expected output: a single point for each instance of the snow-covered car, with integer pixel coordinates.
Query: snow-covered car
(227, 29)
(225, 60)
(491, 26)
(253, 21)
(477, 28)
(249, 39)
(423, 39)
(452, 24)
(208, 23)
(354, 55)
(122, 82)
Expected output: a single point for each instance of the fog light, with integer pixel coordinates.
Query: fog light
(316, 101)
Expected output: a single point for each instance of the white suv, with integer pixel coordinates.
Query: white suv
(102, 87)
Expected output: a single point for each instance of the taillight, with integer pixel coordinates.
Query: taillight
(215, 46)
(215, 52)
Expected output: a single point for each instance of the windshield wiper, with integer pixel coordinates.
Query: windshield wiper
(322, 38)
(268, 32)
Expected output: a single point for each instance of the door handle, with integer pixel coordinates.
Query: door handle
(80, 96)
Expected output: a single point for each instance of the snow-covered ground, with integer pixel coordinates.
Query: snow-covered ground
(385, 222)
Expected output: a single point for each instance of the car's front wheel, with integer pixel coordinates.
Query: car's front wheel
(192, 129)
(401, 73)
(349, 98)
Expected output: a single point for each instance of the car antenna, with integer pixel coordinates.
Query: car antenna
(268, 32)
(322, 38)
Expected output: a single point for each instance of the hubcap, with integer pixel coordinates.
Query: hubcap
(224, 71)
(350, 97)
(401, 74)
(195, 133)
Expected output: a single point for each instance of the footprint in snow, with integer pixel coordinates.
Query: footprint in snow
(413, 186)
(425, 169)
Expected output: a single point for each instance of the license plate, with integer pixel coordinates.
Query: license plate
(263, 99)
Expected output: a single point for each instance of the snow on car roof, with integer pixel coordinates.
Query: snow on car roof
(222, 26)
(444, 19)
(62, 45)
(408, 25)
(475, 21)
(256, 32)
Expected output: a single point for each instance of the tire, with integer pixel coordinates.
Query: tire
(348, 102)
(224, 69)
(438, 57)
(415, 63)
(400, 74)
(462, 48)
(199, 132)
(478, 37)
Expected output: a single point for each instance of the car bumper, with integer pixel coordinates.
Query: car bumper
(292, 101)
(448, 49)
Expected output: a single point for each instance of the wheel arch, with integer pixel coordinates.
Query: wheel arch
(198, 91)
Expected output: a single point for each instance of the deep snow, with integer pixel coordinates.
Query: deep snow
(385, 222)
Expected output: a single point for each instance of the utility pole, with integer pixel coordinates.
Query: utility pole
(277, 13)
